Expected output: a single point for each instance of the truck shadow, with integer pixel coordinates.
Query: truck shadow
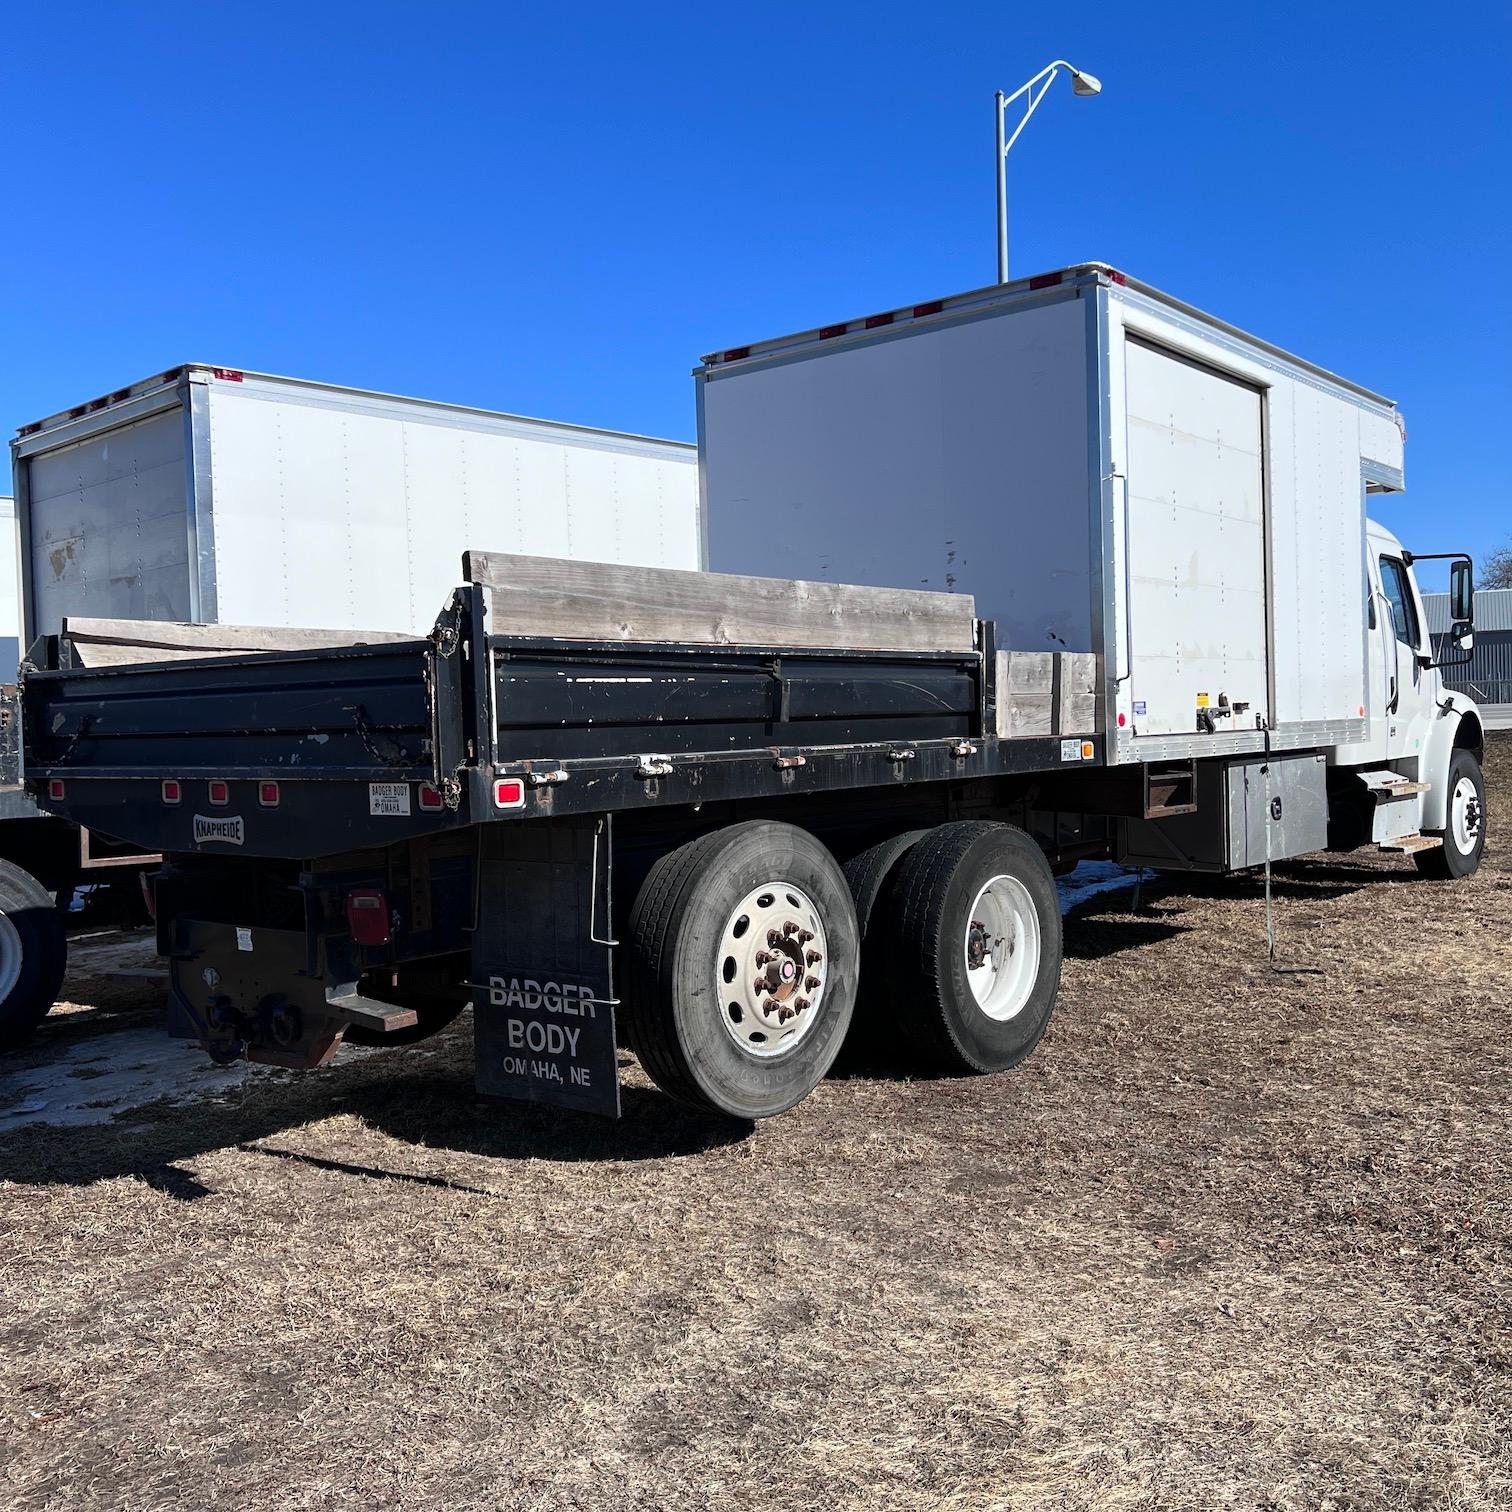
(423, 1101)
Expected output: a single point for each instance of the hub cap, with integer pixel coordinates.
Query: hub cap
(1465, 816)
(1002, 947)
(770, 970)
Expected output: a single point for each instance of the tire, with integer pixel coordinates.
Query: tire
(1464, 836)
(693, 1016)
(867, 875)
(938, 892)
(33, 954)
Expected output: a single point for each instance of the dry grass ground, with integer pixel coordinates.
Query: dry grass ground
(1230, 1238)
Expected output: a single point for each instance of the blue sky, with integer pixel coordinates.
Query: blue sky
(554, 210)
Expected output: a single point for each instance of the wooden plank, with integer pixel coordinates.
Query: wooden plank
(111, 643)
(551, 596)
(1076, 693)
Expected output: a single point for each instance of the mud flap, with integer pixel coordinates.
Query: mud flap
(543, 991)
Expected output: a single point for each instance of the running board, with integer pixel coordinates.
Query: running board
(1407, 844)
(369, 1013)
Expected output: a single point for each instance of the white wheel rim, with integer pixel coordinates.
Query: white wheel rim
(770, 970)
(10, 957)
(1465, 816)
(1002, 948)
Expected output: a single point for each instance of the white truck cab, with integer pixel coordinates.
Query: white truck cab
(1420, 763)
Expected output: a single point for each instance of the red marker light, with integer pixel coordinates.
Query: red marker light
(173, 791)
(431, 801)
(220, 793)
(267, 794)
(509, 793)
(1044, 281)
(1123, 719)
(56, 789)
(929, 307)
(367, 914)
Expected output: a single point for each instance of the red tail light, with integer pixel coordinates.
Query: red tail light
(367, 914)
(267, 794)
(56, 789)
(173, 791)
(509, 792)
(220, 793)
(431, 801)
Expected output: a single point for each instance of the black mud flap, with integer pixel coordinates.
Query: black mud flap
(543, 992)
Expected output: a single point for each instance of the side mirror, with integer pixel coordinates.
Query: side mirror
(1462, 595)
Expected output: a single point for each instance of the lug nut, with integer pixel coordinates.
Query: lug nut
(773, 937)
(811, 984)
(762, 957)
(789, 928)
(812, 957)
(799, 1004)
(805, 935)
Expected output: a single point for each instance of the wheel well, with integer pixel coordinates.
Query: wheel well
(1469, 736)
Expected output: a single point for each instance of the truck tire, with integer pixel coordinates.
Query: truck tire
(33, 954)
(741, 969)
(973, 925)
(867, 876)
(1464, 836)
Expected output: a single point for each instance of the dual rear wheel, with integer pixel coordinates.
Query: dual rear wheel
(750, 951)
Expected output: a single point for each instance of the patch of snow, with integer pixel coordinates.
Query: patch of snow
(1089, 878)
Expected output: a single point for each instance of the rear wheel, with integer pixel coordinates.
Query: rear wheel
(972, 920)
(33, 954)
(1464, 834)
(741, 970)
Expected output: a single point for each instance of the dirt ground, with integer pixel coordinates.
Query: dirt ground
(1231, 1238)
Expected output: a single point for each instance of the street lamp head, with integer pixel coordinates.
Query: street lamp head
(1085, 83)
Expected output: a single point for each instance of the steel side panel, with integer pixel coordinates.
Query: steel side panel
(951, 456)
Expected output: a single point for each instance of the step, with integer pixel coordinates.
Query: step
(1402, 789)
(1407, 844)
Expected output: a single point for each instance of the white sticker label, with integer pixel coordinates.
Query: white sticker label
(390, 798)
(244, 939)
(227, 829)
(1070, 750)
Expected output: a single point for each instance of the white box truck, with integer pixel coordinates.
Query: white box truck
(204, 495)
(731, 813)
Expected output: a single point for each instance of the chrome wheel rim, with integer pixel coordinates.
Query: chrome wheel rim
(1465, 817)
(770, 970)
(1002, 948)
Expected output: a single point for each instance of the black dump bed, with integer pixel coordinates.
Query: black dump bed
(301, 753)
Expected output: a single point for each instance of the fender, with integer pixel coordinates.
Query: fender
(1457, 724)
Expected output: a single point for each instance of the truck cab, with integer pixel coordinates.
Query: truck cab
(1428, 736)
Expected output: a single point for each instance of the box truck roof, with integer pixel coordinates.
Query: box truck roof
(957, 306)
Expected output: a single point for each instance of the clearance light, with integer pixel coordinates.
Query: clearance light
(431, 801)
(173, 791)
(509, 793)
(267, 794)
(367, 914)
(220, 793)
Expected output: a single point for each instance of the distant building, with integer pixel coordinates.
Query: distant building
(1487, 676)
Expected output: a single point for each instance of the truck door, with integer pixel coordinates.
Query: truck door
(1407, 689)
(1196, 546)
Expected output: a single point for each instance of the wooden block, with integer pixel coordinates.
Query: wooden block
(1076, 693)
(554, 597)
(1025, 693)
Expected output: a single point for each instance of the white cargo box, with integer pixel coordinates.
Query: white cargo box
(1105, 468)
(218, 495)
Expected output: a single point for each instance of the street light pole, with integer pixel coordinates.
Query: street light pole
(1083, 84)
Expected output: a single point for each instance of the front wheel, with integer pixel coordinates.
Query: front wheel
(33, 954)
(740, 976)
(972, 921)
(1464, 834)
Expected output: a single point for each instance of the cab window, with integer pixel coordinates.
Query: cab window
(1399, 595)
